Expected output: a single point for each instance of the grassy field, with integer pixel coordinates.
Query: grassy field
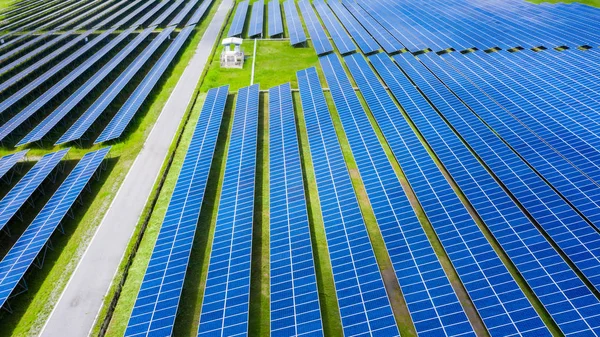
(45, 285)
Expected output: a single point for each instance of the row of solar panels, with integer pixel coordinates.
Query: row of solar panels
(122, 118)
(541, 254)
(422, 25)
(29, 248)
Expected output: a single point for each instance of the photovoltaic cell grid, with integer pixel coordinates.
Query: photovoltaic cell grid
(23, 253)
(365, 42)
(257, 17)
(85, 121)
(294, 25)
(227, 290)
(157, 300)
(294, 294)
(578, 240)
(52, 92)
(540, 265)
(275, 19)
(9, 161)
(18, 195)
(561, 289)
(319, 39)
(488, 283)
(364, 306)
(67, 105)
(431, 301)
(380, 34)
(569, 181)
(342, 40)
(239, 18)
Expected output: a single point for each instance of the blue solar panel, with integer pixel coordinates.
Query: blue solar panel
(365, 42)
(431, 301)
(199, 13)
(571, 233)
(294, 294)
(18, 195)
(36, 236)
(44, 36)
(8, 102)
(257, 18)
(158, 297)
(275, 19)
(227, 291)
(381, 35)
(86, 120)
(340, 37)
(364, 306)
(239, 18)
(9, 161)
(319, 39)
(519, 238)
(57, 88)
(293, 23)
(582, 192)
(66, 106)
(182, 13)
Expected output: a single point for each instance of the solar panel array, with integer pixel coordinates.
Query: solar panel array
(18, 195)
(119, 122)
(239, 19)
(318, 37)
(275, 23)
(362, 298)
(363, 39)
(225, 303)
(340, 37)
(439, 25)
(522, 242)
(293, 287)
(9, 161)
(431, 301)
(23, 253)
(156, 303)
(293, 23)
(257, 18)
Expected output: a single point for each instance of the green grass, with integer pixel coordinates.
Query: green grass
(276, 63)
(33, 307)
(594, 3)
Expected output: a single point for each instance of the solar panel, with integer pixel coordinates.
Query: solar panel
(380, 34)
(57, 88)
(319, 39)
(571, 183)
(294, 294)
(67, 105)
(430, 298)
(239, 18)
(275, 19)
(44, 36)
(18, 195)
(199, 13)
(157, 300)
(23, 253)
(182, 13)
(363, 303)
(340, 37)
(227, 291)
(9, 161)
(257, 19)
(294, 25)
(523, 243)
(365, 42)
(86, 120)
(119, 122)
